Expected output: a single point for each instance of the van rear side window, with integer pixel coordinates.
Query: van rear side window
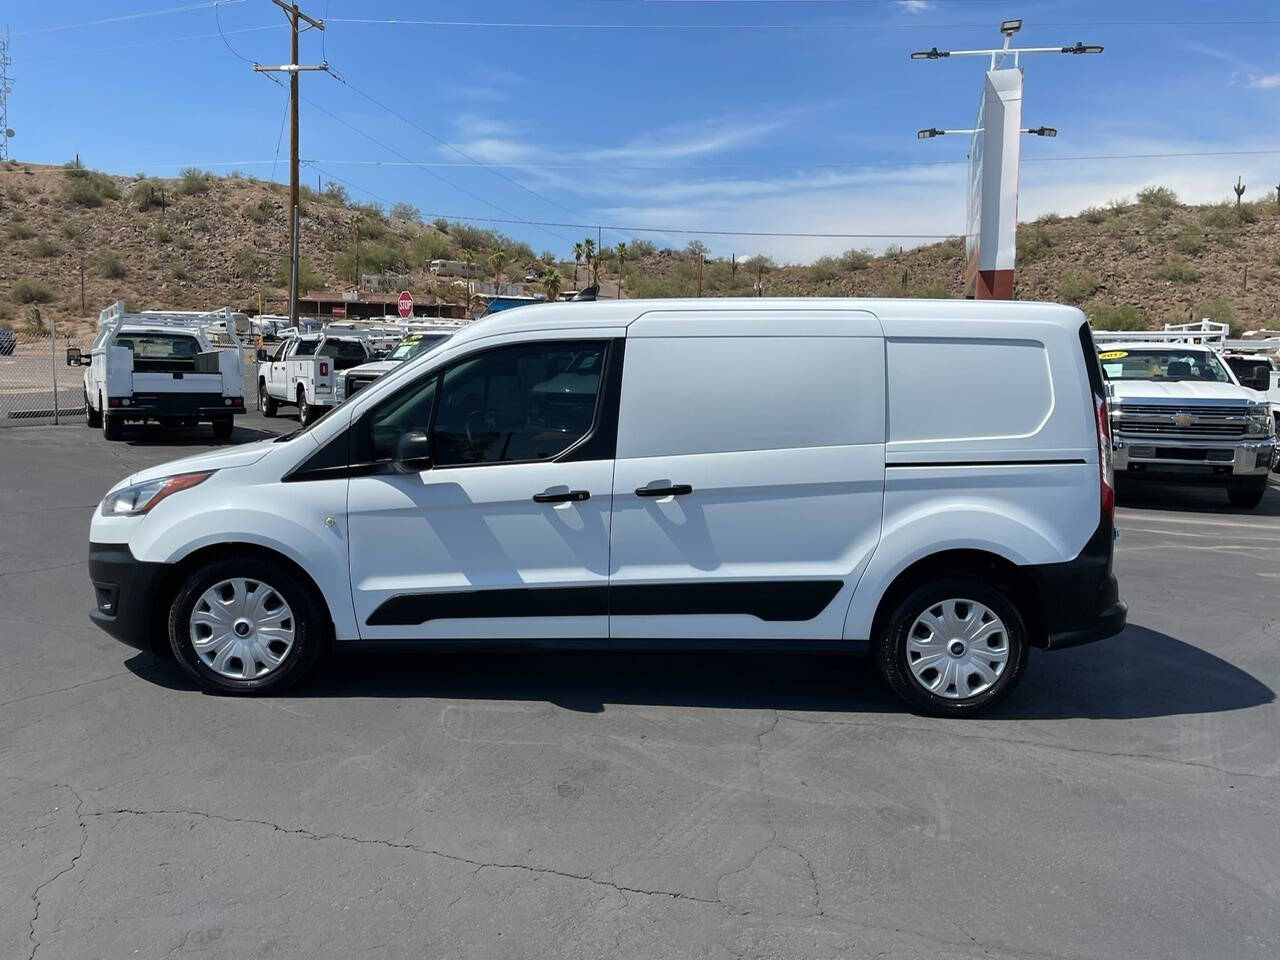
(967, 389)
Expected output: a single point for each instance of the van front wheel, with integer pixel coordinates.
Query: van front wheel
(243, 625)
(953, 647)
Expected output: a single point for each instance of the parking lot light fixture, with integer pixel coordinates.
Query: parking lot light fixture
(1010, 27)
(934, 54)
(1042, 131)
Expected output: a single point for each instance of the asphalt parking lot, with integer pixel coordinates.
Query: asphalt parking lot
(1124, 803)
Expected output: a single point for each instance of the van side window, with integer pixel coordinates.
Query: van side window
(406, 411)
(517, 403)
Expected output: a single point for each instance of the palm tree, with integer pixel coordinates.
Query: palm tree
(622, 256)
(496, 260)
(589, 252)
(577, 261)
(551, 283)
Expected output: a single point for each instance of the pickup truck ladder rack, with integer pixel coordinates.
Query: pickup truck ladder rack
(116, 316)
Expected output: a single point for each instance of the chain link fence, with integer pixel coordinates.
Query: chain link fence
(36, 385)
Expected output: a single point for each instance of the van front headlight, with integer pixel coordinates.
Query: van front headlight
(140, 498)
(1260, 423)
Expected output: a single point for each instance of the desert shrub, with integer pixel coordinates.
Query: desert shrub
(27, 290)
(184, 243)
(200, 225)
(1219, 310)
(406, 211)
(111, 267)
(44, 247)
(640, 247)
(1077, 286)
(192, 181)
(1177, 270)
(178, 271)
(758, 264)
(70, 230)
(1048, 219)
(1116, 317)
(1118, 205)
(20, 231)
(145, 195)
(1157, 197)
(1190, 240)
(929, 291)
(432, 246)
(1093, 214)
(824, 269)
(245, 262)
(1247, 213)
(441, 224)
(161, 234)
(309, 278)
(90, 189)
(1033, 245)
(258, 212)
(855, 259)
(1218, 215)
(336, 193)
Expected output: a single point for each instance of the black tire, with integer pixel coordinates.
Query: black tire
(222, 427)
(1247, 495)
(890, 649)
(305, 415)
(92, 417)
(112, 427)
(266, 403)
(310, 624)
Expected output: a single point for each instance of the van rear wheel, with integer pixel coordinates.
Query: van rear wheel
(244, 625)
(953, 647)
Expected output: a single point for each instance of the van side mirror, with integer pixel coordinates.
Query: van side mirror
(261, 355)
(1261, 379)
(74, 357)
(413, 452)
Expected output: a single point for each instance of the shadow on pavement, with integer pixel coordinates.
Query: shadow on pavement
(1140, 673)
(151, 435)
(1199, 499)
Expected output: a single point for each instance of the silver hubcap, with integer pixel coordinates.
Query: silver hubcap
(957, 649)
(242, 629)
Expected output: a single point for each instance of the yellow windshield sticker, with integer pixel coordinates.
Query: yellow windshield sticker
(1113, 355)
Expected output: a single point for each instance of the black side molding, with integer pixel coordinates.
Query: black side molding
(990, 463)
(774, 600)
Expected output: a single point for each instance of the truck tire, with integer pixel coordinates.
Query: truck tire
(247, 625)
(92, 417)
(222, 427)
(1247, 494)
(971, 628)
(305, 411)
(266, 403)
(112, 427)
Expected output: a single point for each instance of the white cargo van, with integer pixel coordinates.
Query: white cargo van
(926, 480)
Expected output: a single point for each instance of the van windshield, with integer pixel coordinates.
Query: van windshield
(1164, 365)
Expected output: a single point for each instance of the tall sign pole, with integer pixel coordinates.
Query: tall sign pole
(296, 18)
(994, 155)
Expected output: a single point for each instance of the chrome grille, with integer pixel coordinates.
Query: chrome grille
(1174, 420)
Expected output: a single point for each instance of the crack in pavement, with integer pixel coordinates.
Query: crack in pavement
(74, 686)
(35, 894)
(56, 566)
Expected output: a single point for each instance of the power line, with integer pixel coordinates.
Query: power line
(146, 14)
(155, 43)
(906, 25)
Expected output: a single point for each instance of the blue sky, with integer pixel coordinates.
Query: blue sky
(743, 115)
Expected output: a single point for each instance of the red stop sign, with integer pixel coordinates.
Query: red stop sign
(406, 305)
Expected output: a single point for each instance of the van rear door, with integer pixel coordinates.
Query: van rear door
(750, 474)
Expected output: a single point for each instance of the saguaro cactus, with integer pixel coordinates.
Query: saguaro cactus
(1239, 189)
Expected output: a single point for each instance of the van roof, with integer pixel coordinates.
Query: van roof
(566, 315)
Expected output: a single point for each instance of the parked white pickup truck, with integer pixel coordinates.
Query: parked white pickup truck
(1179, 413)
(1256, 363)
(161, 367)
(427, 337)
(303, 371)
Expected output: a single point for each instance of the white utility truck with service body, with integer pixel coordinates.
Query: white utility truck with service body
(1179, 414)
(303, 370)
(162, 367)
(633, 474)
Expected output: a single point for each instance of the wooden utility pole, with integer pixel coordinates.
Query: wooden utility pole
(293, 68)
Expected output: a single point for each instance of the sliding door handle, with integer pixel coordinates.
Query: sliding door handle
(670, 490)
(563, 496)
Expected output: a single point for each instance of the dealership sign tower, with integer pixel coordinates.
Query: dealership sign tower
(991, 214)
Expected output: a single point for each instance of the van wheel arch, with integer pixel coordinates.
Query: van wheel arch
(166, 588)
(979, 563)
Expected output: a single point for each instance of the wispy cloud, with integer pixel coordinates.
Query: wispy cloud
(915, 6)
(1265, 81)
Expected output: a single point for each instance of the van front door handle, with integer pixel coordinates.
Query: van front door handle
(564, 496)
(671, 490)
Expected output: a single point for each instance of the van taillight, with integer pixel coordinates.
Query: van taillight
(1106, 470)
(324, 369)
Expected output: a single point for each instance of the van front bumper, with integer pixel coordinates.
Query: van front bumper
(1204, 458)
(124, 590)
(1081, 598)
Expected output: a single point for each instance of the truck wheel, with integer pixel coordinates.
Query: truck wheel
(92, 417)
(266, 403)
(305, 413)
(112, 427)
(953, 647)
(222, 427)
(1247, 494)
(245, 625)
